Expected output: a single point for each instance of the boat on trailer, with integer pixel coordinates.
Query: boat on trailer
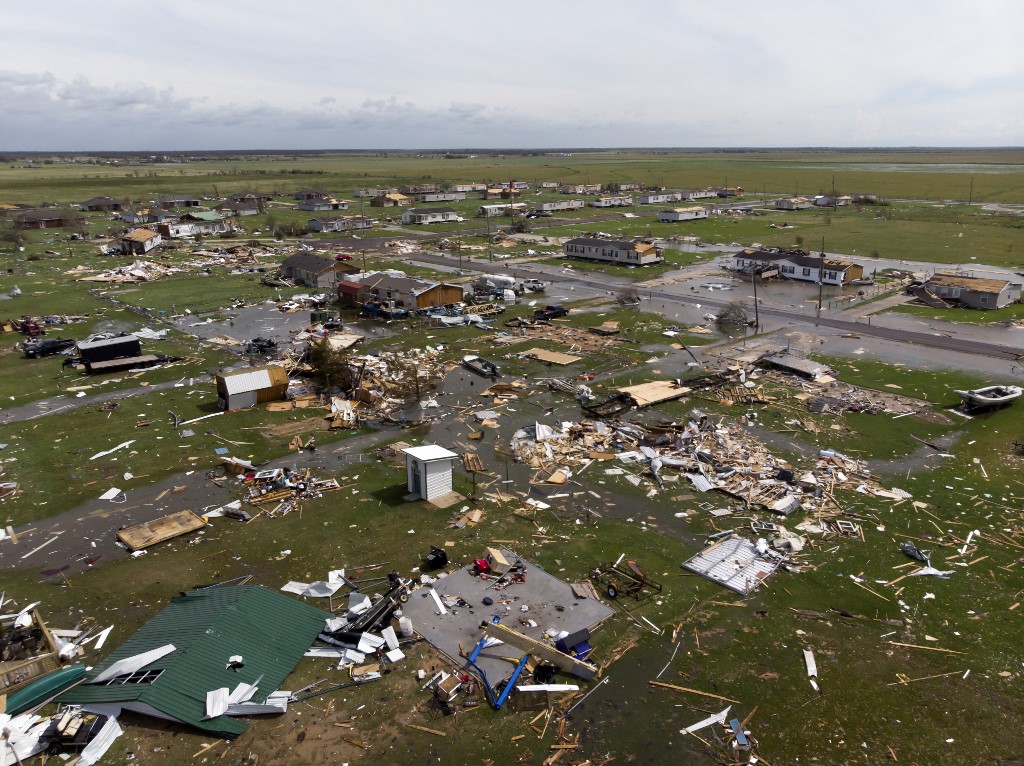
(990, 396)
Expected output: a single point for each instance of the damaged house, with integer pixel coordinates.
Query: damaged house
(193, 224)
(796, 264)
(315, 270)
(409, 293)
(608, 251)
(140, 241)
(944, 290)
(197, 661)
(250, 386)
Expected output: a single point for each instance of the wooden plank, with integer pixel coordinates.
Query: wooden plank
(693, 691)
(159, 530)
(424, 728)
(541, 650)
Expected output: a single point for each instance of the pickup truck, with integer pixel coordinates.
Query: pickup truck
(550, 312)
(534, 285)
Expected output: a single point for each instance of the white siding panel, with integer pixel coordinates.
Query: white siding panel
(438, 479)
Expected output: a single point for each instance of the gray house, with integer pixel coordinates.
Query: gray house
(973, 292)
(315, 270)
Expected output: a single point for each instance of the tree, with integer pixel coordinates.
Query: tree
(331, 366)
(733, 315)
(12, 234)
(628, 296)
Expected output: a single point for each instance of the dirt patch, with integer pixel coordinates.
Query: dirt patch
(294, 428)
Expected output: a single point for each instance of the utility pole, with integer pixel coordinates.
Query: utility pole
(970, 194)
(490, 250)
(821, 280)
(757, 316)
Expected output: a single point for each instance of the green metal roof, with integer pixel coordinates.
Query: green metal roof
(204, 216)
(269, 630)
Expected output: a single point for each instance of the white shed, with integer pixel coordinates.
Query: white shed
(429, 470)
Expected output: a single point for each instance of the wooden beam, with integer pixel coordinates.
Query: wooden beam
(539, 649)
(693, 691)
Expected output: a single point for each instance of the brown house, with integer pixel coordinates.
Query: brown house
(391, 200)
(45, 219)
(409, 293)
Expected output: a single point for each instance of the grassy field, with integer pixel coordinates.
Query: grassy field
(882, 701)
(934, 175)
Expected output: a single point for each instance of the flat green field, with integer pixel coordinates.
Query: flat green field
(936, 175)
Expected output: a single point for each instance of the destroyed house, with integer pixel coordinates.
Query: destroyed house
(796, 264)
(251, 386)
(102, 204)
(675, 214)
(973, 292)
(192, 224)
(340, 223)
(314, 270)
(410, 294)
(167, 668)
(140, 241)
(580, 189)
(607, 251)
(429, 215)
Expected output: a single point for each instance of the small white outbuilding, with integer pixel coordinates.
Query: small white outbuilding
(429, 470)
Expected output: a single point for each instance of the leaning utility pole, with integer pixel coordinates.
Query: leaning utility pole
(821, 280)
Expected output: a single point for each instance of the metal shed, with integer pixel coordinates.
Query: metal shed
(245, 388)
(429, 470)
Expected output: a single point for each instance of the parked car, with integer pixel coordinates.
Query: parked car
(534, 285)
(550, 312)
(46, 347)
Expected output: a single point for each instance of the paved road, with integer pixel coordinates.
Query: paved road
(963, 345)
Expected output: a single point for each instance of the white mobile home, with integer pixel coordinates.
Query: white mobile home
(616, 201)
(659, 198)
(561, 204)
(692, 213)
(508, 208)
(429, 215)
(625, 253)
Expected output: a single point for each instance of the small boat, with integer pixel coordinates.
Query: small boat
(481, 366)
(864, 282)
(44, 689)
(990, 396)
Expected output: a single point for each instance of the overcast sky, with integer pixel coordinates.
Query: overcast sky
(196, 74)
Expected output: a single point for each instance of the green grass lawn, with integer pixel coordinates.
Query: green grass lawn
(968, 316)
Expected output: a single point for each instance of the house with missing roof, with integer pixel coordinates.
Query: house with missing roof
(203, 223)
(206, 655)
(390, 199)
(793, 203)
(968, 292)
(638, 253)
(140, 241)
(796, 264)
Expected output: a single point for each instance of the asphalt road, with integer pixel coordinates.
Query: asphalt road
(962, 345)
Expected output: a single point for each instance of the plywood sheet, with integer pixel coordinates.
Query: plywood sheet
(554, 357)
(157, 531)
